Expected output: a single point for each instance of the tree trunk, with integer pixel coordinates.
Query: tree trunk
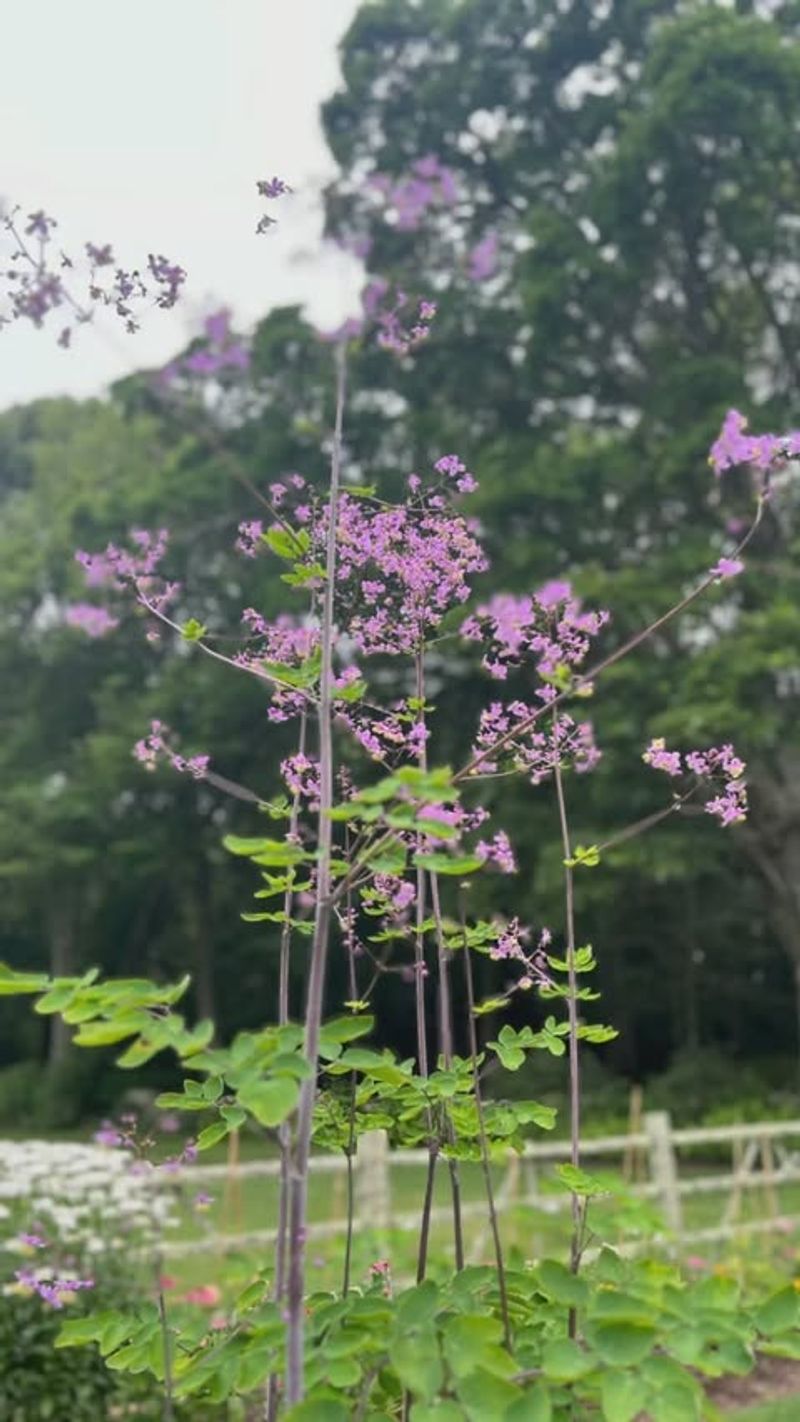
(773, 842)
(62, 939)
(201, 942)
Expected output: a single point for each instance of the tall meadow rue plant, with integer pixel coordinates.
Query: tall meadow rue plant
(378, 853)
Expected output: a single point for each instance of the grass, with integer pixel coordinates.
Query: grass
(528, 1232)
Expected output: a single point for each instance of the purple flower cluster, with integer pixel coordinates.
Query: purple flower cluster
(391, 894)
(388, 735)
(155, 747)
(37, 285)
(269, 189)
(401, 569)
(54, 1291)
(482, 259)
(117, 566)
(219, 351)
(550, 624)
(394, 335)
(511, 945)
(535, 751)
(285, 642)
(301, 777)
(734, 446)
(719, 766)
(497, 851)
(727, 568)
(94, 621)
(250, 537)
(430, 184)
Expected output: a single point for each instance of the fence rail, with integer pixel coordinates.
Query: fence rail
(761, 1159)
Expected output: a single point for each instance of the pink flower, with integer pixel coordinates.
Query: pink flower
(727, 568)
(207, 1295)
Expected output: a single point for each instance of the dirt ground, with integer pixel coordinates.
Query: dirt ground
(771, 1379)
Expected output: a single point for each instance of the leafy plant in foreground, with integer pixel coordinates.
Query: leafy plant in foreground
(377, 857)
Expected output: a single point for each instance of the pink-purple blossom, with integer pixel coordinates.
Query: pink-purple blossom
(155, 746)
(53, 1290)
(727, 568)
(549, 624)
(94, 621)
(720, 767)
(735, 446)
(534, 749)
(497, 851)
(483, 257)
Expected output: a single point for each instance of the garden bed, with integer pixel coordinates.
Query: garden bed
(771, 1380)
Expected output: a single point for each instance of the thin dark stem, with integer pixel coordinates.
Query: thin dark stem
(168, 1412)
(419, 1009)
(348, 1242)
(284, 1131)
(352, 979)
(446, 1034)
(484, 1147)
(572, 1012)
(427, 1205)
(298, 1199)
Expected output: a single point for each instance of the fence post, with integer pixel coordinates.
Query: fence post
(664, 1167)
(373, 1184)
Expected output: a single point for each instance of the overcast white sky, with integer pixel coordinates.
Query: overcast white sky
(147, 126)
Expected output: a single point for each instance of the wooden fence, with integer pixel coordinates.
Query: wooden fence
(649, 1160)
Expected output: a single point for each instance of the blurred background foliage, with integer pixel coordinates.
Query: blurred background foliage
(635, 164)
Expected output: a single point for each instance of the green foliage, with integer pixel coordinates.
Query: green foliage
(41, 1384)
(644, 1341)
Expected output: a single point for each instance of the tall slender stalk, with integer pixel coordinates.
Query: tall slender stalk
(446, 1038)
(572, 1012)
(445, 997)
(419, 1009)
(272, 1398)
(298, 1193)
(168, 1411)
(352, 982)
(484, 1147)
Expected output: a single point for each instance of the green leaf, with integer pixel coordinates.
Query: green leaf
(608, 1266)
(270, 1101)
(561, 1284)
(76, 1332)
(447, 863)
(12, 983)
(417, 1364)
(417, 1307)
(621, 1343)
(578, 1182)
(675, 1404)
(211, 1135)
(441, 1411)
(485, 1396)
(778, 1313)
(287, 543)
(178, 1101)
(193, 631)
(622, 1395)
(534, 1406)
(345, 1029)
(322, 1410)
(564, 1361)
(470, 1340)
(588, 857)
